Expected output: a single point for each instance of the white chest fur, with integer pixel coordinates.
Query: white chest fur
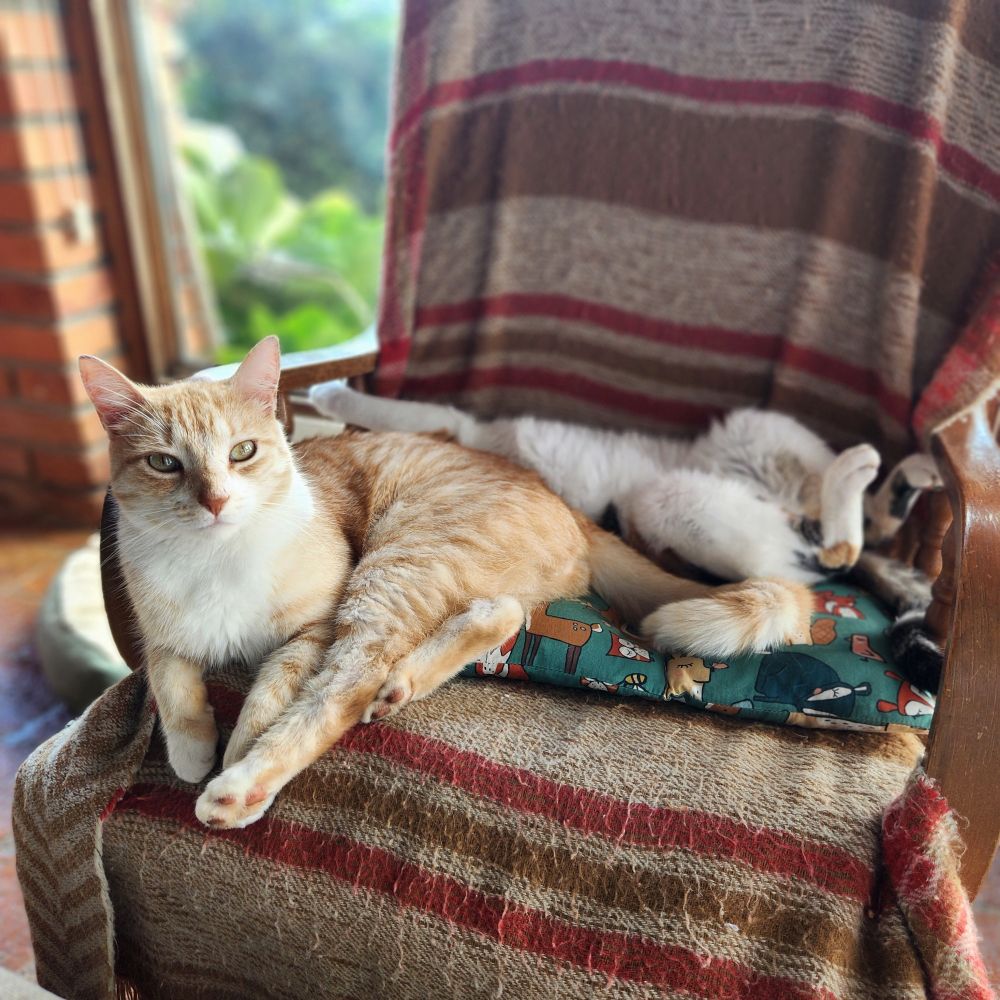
(214, 600)
(213, 607)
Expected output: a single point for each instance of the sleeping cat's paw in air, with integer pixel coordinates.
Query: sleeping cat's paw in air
(393, 695)
(236, 798)
(920, 472)
(853, 470)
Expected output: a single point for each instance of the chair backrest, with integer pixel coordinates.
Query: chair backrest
(646, 213)
(117, 603)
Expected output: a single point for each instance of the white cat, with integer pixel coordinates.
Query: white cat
(758, 494)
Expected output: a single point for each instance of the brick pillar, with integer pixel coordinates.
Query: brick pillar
(57, 292)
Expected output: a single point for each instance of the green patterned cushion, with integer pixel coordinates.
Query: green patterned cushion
(843, 680)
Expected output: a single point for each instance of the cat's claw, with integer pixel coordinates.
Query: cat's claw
(233, 800)
(392, 696)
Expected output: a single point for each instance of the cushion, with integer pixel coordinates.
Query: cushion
(75, 645)
(843, 679)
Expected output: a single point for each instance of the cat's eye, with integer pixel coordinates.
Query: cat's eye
(164, 463)
(243, 451)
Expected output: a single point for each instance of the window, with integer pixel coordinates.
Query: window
(255, 137)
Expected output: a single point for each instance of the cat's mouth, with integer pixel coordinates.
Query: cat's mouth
(217, 524)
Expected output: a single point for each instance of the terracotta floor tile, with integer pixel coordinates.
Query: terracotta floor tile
(29, 712)
(15, 941)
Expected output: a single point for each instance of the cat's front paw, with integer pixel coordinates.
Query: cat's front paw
(192, 755)
(920, 472)
(236, 798)
(392, 696)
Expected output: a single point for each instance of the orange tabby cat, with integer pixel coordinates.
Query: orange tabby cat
(359, 571)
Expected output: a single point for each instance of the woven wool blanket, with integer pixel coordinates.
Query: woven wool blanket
(644, 214)
(498, 840)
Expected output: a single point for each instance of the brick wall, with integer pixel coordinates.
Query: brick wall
(57, 287)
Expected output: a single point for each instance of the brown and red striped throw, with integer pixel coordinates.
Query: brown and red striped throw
(642, 214)
(492, 840)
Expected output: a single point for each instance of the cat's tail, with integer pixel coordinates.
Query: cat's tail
(685, 616)
(378, 414)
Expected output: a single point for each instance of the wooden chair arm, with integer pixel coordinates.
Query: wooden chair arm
(964, 750)
(117, 604)
(301, 369)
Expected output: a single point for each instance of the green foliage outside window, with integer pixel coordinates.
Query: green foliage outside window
(303, 82)
(291, 229)
(305, 270)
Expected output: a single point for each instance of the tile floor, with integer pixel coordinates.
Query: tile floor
(29, 713)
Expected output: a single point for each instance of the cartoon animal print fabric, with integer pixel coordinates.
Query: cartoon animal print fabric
(573, 634)
(758, 494)
(844, 678)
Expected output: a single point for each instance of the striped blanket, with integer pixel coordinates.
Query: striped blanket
(498, 840)
(641, 214)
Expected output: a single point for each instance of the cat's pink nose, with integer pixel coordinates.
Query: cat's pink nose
(213, 504)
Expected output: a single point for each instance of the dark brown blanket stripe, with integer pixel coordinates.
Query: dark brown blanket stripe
(533, 336)
(973, 23)
(631, 822)
(917, 125)
(438, 825)
(740, 343)
(570, 144)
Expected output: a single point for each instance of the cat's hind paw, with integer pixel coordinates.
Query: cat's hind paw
(334, 399)
(233, 800)
(920, 472)
(853, 470)
(392, 696)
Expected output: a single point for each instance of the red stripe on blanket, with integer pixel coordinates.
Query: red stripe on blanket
(568, 384)
(919, 125)
(861, 380)
(774, 851)
(718, 340)
(918, 839)
(621, 956)
(973, 356)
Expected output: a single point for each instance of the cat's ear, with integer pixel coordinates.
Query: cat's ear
(115, 397)
(257, 377)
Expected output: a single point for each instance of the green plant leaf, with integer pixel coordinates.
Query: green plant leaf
(251, 196)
